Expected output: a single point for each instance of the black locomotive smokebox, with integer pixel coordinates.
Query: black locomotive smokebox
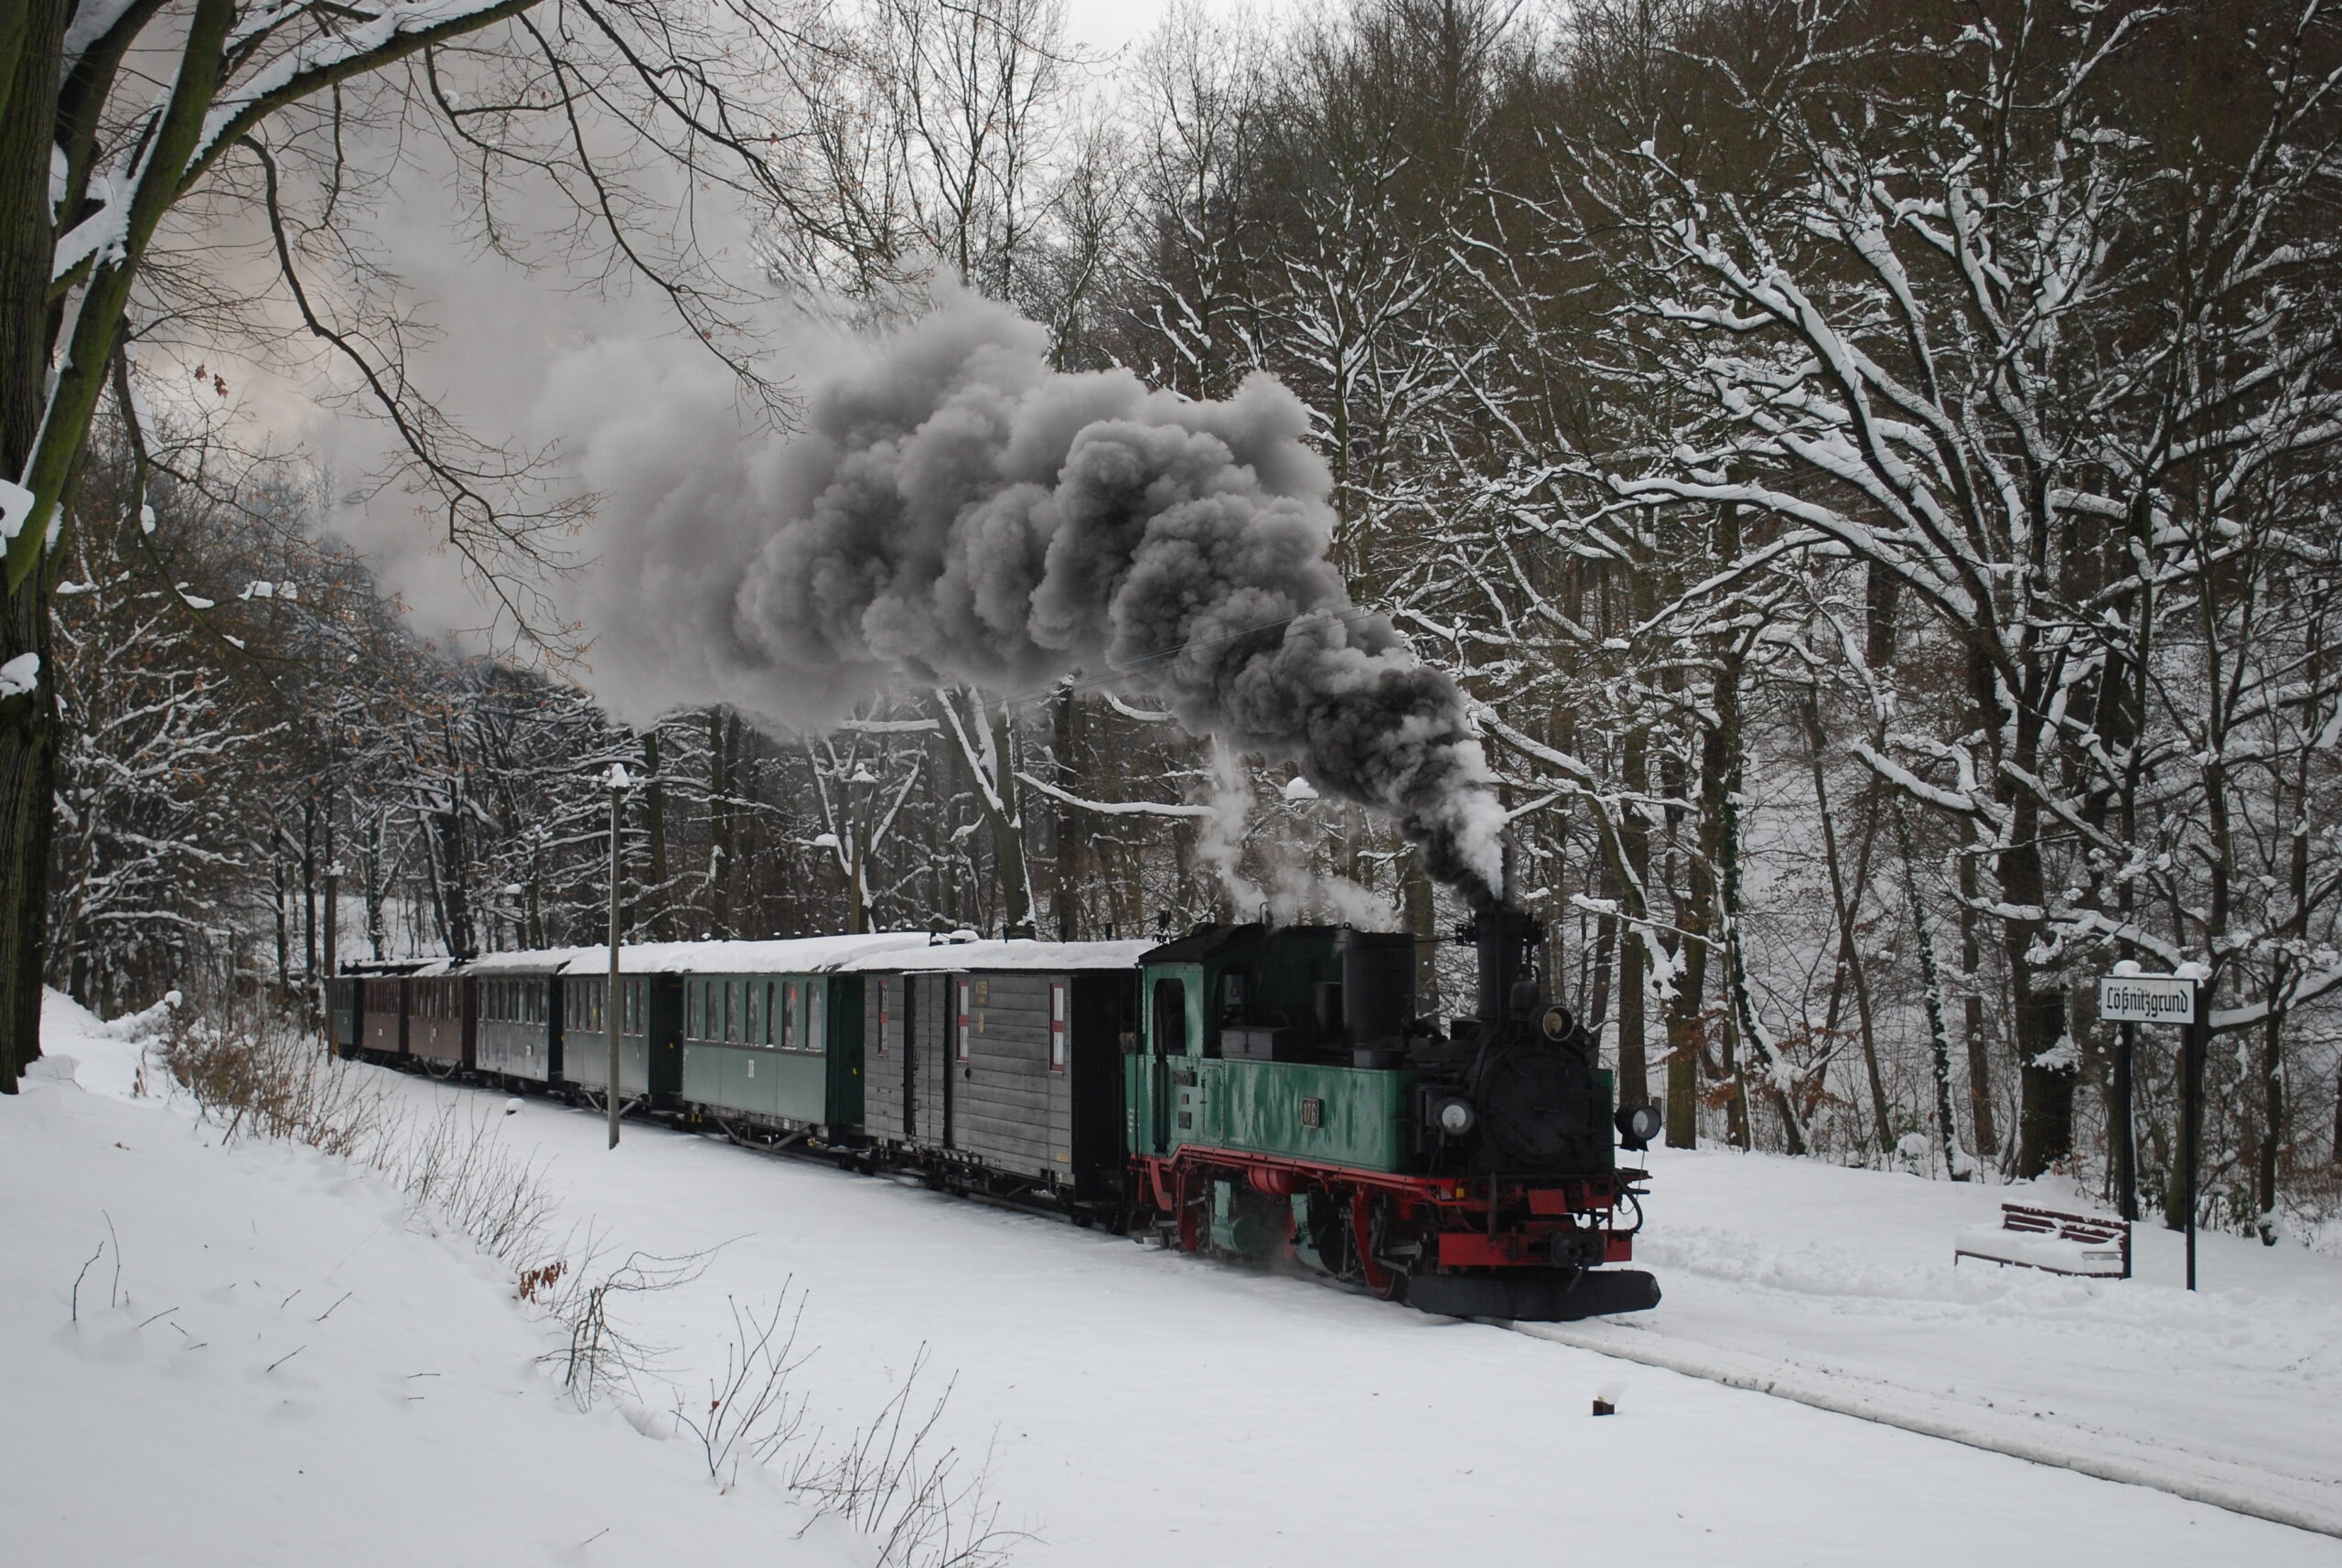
(1539, 1111)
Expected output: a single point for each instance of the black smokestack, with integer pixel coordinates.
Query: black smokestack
(957, 512)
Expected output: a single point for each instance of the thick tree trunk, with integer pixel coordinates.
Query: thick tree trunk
(30, 35)
(27, 784)
(2045, 1075)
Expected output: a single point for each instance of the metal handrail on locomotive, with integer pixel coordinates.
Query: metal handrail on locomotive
(1247, 1092)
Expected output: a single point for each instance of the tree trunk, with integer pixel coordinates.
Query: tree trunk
(31, 34)
(1971, 960)
(2046, 1076)
(654, 809)
(27, 785)
(719, 814)
(1634, 950)
(1065, 894)
(1718, 762)
(1850, 956)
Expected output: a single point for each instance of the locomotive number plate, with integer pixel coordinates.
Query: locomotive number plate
(1313, 1112)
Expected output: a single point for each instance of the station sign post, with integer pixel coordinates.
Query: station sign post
(2130, 1000)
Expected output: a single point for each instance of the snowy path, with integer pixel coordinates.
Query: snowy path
(1151, 1410)
(1839, 1283)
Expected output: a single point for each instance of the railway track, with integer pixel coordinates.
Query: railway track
(2103, 1467)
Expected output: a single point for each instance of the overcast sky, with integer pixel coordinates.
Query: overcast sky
(1108, 25)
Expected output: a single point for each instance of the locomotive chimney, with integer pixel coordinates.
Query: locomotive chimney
(1504, 937)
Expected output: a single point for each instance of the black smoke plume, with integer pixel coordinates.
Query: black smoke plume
(955, 511)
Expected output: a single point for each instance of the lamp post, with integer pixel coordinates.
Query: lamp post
(2126, 1146)
(333, 929)
(619, 783)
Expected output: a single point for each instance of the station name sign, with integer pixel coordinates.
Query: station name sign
(2146, 999)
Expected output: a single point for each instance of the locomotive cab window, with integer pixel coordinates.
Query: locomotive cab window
(1233, 995)
(1170, 1018)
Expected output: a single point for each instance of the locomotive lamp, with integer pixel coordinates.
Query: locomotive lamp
(1453, 1115)
(1637, 1125)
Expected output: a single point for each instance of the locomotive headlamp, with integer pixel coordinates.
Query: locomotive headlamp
(1637, 1125)
(1557, 1025)
(1453, 1115)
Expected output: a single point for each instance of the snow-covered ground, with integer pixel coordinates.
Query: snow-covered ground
(1840, 1286)
(277, 1364)
(1140, 1408)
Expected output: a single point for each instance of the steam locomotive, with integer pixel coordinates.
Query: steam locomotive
(1247, 1092)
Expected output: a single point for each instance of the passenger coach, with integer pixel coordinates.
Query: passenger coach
(772, 1034)
(998, 1064)
(519, 1034)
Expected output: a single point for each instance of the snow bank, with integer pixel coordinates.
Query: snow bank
(258, 1356)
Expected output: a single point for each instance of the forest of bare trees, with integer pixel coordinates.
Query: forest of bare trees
(1868, 463)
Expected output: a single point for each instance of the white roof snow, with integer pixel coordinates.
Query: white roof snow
(534, 961)
(788, 955)
(969, 957)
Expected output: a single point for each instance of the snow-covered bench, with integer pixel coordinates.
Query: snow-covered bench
(2045, 1240)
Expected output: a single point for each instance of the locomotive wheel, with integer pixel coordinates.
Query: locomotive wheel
(1367, 1218)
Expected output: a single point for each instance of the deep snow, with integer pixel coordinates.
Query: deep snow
(1143, 1408)
(290, 1368)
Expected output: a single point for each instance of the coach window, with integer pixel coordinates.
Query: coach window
(1057, 1026)
(732, 1011)
(962, 1031)
(816, 1017)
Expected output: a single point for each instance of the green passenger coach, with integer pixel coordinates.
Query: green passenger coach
(772, 1034)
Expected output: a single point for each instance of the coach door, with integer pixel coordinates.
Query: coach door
(910, 1057)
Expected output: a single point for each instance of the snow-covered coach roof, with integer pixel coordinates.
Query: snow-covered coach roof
(786, 955)
(994, 955)
(530, 961)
